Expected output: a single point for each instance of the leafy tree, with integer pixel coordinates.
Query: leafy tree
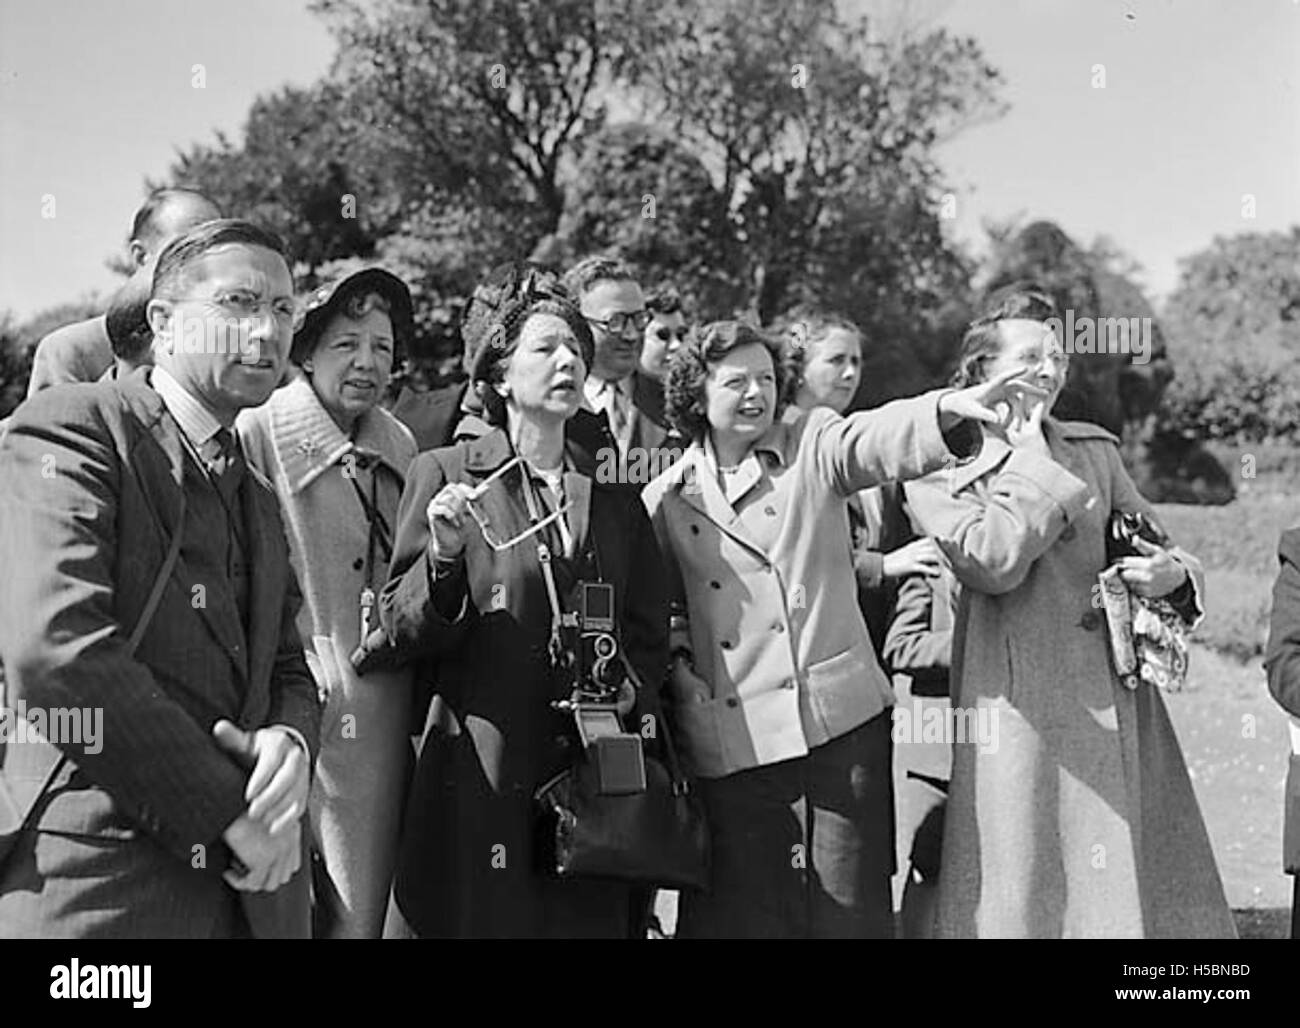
(638, 192)
(18, 342)
(789, 154)
(298, 172)
(1234, 322)
(482, 99)
(821, 136)
(791, 162)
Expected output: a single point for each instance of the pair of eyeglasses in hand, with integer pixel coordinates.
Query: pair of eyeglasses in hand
(481, 518)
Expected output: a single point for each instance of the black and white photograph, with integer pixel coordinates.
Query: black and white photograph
(706, 470)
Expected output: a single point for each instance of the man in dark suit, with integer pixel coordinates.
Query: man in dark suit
(183, 819)
(82, 352)
(614, 306)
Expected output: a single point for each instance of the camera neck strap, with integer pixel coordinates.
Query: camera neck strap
(533, 503)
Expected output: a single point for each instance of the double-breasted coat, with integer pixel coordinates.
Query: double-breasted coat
(1079, 820)
(768, 581)
(469, 862)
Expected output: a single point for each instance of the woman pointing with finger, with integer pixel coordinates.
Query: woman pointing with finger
(1081, 820)
(781, 707)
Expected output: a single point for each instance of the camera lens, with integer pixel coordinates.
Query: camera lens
(605, 646)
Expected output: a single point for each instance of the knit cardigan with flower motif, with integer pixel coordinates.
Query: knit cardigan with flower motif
(293, 441)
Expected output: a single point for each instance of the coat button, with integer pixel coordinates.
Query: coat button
(695, 529)
(715, 585)
(562, 741)
(1069, 533)
(789, 683)
(726, 644)
(1090, 621)
(732, 701)
(358, 564)
(778, 628)
(770, 511)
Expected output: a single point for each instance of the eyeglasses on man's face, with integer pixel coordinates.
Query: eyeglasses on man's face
(619, 322)
(243, 305)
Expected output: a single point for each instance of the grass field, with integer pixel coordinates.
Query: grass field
(1233, 735)
(1237, 544)
(1234, 738)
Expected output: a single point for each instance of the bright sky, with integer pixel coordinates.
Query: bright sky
(1201, 107)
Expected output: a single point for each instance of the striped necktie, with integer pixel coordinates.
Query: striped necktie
(616, 407)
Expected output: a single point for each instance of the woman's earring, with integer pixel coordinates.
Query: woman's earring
(307, 367)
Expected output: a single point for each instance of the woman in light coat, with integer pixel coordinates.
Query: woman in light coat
(338, 462)
(780, 705)
(1081, 820)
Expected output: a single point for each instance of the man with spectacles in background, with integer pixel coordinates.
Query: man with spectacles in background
(611, 300)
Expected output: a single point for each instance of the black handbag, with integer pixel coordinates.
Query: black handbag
(658, 837)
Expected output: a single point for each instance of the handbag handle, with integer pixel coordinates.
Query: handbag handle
(681, 784)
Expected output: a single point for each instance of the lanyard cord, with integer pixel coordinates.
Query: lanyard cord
(380, 533)
(556, 644)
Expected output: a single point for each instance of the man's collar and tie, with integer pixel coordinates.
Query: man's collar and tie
(614, 397)
(226, 465)
(214, 446)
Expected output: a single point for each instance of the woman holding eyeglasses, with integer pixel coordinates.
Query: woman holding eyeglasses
(478, 525)
(780, 705)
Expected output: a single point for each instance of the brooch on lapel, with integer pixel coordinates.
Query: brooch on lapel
(309, 448)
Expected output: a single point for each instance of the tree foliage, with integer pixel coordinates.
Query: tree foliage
(18, 341)
(785, 155)
(1234, 322)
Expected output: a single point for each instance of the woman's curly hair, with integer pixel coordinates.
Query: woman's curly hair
(684, 394)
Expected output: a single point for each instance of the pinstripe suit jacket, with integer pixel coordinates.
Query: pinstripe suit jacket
(127, 841)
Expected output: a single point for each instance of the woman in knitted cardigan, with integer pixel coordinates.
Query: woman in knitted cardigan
(338, 462)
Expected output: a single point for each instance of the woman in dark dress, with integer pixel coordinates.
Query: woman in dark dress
(469, 863)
